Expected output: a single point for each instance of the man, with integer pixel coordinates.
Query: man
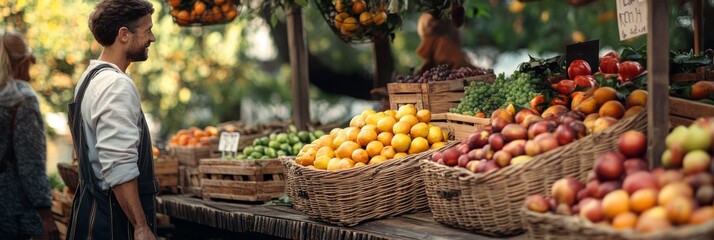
(115, 197)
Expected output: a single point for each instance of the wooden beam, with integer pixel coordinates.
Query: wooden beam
(383, 62)
(697, 17)
(657, 79)
(298, 62)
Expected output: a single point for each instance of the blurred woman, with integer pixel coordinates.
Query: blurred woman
(25, 199)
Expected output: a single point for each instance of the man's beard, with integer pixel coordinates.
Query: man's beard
(138, 54)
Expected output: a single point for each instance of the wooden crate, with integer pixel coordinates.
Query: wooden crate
(701, 74)
(438, 96)
(167, 173)
(189, 156)
(189, 181)
(463, 125)
(244, 180)
(684, 112)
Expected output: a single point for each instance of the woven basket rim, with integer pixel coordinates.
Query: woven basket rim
(290, 162)
(536, 161)
(705, 228)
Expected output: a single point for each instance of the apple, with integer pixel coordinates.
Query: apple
(530, 120)
(635, 164)
(523, 113)
(496, 141)
(516, 148)
(579, 129)
(497, 124)
(540, 127)
(514, 132)
(547, 141)
(436, 156)
(564, 134)
(537, 203)
(463, 160)
(532, 148)
(676, 137)
(565, 190)
(609, 166)
(478, 139)
(503, 158)
(697, 138)
(696, 161)
(632, 144)
(669, 176)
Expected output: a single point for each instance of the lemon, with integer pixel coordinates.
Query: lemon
(333, 164)
(374, 148)
(419, 130)
(360, 155)
(358, 121)
(366, 136)
(386, 123)
(419, 144)
(401, 142)
(401, 127)
(321, 162)
(424, 115)
(387, 152)
(400, 155)
(385, 138)
(345, 163)
(377, 160)
(434, 135)
(374, 118)
(408, 109)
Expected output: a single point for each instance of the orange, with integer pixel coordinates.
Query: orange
(374, 148)
(401, 142)
(183, 139)
(419, 130)
(400, 155)
(369, 127)
(409, 119)
(183, 16)
(419, 144)
(615, 203)
(325, 151)
(386, 123)
(643, 199)
(387, 152)
(358, 121)
(438, 145)
(377, 160)
(174, 3)
(366, 136)
(339, 18)
(366, 19)
(403, 110)
(434, 135)
(339, 7)
(334, 132)
(199, 7)
(358, 6)
(604, 94)
(360, 155)
(321, 162)
(632, 111)
(374, 118)
(626, 220)
(385, 138)
(359, 164)
(333, 164)
(424, 115)
(401, 127)
(325, 141)
(636, 98)
(379, 18)
(345, 150)
(368, 112)
(613, 109)
(350, 24)
(351, 133)
(341, 138)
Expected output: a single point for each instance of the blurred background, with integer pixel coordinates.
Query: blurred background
(199, 76)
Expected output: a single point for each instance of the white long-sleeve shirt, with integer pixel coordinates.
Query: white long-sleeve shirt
(111, 111)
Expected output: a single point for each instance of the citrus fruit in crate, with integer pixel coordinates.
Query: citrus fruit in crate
(359, 21)
(203, 12)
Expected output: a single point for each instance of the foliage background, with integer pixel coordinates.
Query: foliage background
(200, 75)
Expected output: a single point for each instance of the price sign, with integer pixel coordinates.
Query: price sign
(223, 142)
(235, 139)
(631, 18)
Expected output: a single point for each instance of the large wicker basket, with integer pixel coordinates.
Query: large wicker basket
(70, 174)
(348, 197)
(553, 226)
(489, 203)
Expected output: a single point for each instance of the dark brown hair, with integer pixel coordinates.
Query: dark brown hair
(110, 15)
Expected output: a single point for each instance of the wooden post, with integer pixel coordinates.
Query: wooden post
(298, 62)
(383, 62)
(697, 17)
(657, 79)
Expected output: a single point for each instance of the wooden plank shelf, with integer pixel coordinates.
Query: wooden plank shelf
(285, 222)
(684, 112)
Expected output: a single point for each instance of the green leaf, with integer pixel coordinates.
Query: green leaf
(302, 3)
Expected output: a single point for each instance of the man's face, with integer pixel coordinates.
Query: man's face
(141, 39)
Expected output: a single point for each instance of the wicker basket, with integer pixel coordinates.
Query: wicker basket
(70, 174)
(189, 13)
(553, 226)
(489, 203)
(348, 197)
(363, 34)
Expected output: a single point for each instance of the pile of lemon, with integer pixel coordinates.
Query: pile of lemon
(373, 138)
(354, 15)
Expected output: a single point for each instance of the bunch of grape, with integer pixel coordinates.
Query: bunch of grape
(517, 89)
(442, 72)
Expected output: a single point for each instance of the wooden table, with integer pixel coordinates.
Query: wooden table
(286, 222)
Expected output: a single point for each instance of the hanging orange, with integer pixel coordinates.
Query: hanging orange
(199, 7)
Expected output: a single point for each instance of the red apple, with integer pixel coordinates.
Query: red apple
(540, 127)
(564, 134)
(639, 180)
(497, 124)
(514, 132)
(496, 141)
(609, 166)
(463, 160)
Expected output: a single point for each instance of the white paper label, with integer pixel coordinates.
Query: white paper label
(223, 142)
(235, 139)
(631, 18)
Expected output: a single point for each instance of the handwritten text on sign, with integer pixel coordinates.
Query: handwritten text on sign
(631, 18)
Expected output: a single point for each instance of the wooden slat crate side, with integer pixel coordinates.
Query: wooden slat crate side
(228, 183)
(460, 118)
(489, 78)
(250, 191)
(250, 198)
(229, 170)
(404, 88)
(684, 77)
(271, 187)
(689, 109)
(166, 167)
(679, 121)
(190, 156)
(443, 86)
(168, 180)
(398, 100)
(247, 163)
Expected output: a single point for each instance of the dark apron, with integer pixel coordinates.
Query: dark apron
(96, 213)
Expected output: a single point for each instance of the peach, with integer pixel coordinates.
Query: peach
(522, 114)
(537, 203)
(514, 132)
(436, 156)
(516, 148)
(451, 157)
(648, 225)
(704, 195)
(563, 209)
(478, 139)
(632, 111)
(635, 164)
(615, 203)
(496, 141)
(626, 220)
(491, 166)
(564, 134)
(606, 187)
(539, 128)
(696, 161)
(530, 120)
(591, 187)
(632, 144)
(680, 209)
(532, 148)
(609, 166)
(699, 180)
(502, 114)
(471, 165)
(463, 160)
(520, 159)
(702, 215)
(639, 180)
(503, 158)
(579, 129)
(603, 123)
(643, 199)
(673, 190)
(547, 142)
(554, 110)
(655, 212)
(669, 176)
(565, 190)
(497, 124)
(591, 210)
(463, 148)
(589, 121)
